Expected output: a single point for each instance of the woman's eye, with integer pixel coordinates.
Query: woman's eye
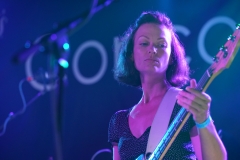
(163, 45)
(143, 44)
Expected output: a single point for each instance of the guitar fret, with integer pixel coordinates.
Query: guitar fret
(208, 74)
(205, 78)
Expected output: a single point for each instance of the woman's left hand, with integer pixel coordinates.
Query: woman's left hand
(196, 102)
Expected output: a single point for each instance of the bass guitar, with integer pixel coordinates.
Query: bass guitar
(221, 61)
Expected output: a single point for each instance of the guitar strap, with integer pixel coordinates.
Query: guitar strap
(161, 119)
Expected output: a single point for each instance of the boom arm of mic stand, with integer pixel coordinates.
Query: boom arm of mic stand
(69, 27)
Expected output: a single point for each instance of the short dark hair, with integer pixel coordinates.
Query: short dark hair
(125, 72)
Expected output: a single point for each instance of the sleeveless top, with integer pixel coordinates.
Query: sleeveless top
(130, 147)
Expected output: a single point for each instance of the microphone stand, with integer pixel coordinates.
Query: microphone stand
(53, 42)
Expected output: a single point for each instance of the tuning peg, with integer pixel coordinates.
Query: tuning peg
(215, 59)
(238, 26)
(224, 50)
(232, 38)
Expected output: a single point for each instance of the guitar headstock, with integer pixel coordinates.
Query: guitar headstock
(227, 53)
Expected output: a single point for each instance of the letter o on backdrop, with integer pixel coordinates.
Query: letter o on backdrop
(103, 67)
(201, 38)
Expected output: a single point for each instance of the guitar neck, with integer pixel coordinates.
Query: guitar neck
(178, 122)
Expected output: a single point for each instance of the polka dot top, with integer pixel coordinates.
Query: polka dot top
(131, 147)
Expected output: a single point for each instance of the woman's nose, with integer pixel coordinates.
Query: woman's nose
(153, 50)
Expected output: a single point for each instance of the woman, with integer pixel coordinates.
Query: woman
(152, 58)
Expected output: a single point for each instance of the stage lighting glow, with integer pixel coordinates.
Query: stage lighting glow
(66, 46)
(63, 63)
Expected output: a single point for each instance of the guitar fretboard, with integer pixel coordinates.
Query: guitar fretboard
(178, 121)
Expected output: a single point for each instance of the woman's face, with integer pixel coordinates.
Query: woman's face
(152, 49)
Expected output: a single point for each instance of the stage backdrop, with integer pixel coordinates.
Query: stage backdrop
(89, 95)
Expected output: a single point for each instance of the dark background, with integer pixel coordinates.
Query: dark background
(87, 108)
